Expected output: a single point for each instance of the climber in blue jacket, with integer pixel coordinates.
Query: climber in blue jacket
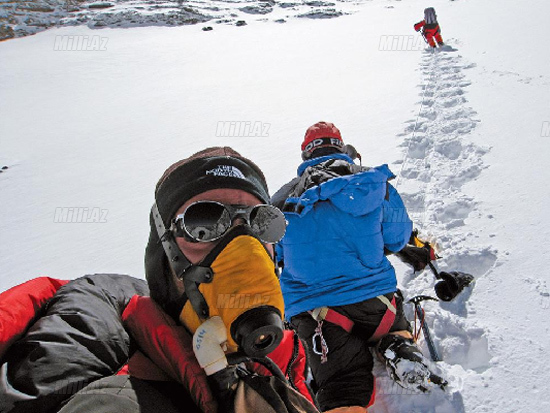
(339, 288)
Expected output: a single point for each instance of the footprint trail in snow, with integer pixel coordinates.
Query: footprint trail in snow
(440, 157)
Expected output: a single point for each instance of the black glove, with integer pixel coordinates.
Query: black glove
(415, 256)
(451, 284)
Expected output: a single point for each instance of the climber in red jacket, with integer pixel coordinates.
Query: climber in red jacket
(193, 338)
(430, 28)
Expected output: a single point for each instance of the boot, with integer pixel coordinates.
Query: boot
(405, 363)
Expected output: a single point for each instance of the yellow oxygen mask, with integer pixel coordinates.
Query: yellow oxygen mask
(244, 291)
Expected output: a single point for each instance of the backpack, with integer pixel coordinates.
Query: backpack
(429, 16)
(322, 172)
(258, 393)
(269, 394)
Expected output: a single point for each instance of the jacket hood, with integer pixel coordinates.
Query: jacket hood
(315, 161)
(357, 194)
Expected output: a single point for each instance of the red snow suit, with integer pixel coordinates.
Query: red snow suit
(430, 32)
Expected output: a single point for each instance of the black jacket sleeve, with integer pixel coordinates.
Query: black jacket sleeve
(79, 340)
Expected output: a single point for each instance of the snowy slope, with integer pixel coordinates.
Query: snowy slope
(464, 128)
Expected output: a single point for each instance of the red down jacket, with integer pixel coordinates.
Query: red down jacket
(57, 336)
(429, 29)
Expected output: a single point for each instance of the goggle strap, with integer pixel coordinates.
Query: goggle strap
(179, 262)
(192, 275)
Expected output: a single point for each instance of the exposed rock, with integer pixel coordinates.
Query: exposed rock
(26, 17)
(322, 14)
(262, 8)
(100, 5)
(6, 32)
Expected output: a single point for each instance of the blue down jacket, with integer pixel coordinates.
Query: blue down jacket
(333, 249)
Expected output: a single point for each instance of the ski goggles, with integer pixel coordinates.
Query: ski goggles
(206, 221)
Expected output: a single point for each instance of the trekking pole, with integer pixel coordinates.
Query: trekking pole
(424, 37)
(426, 41)
(434, 354)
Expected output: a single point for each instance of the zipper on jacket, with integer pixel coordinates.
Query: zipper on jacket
(295, 352)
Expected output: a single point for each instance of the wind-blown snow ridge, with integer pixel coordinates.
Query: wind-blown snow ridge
(440, 158)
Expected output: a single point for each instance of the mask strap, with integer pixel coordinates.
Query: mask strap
(195, 276)
(192, 275)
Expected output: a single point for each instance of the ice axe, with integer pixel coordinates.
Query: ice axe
(434, 354)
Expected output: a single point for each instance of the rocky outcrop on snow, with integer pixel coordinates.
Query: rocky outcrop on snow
(25, 17)
(22, 18)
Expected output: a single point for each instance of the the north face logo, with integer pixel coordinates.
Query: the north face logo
(228, 171)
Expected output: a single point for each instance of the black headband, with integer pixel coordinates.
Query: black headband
(203, 174)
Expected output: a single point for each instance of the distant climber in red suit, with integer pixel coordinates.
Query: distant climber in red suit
(430, 28)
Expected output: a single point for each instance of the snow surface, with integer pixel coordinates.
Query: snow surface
(466, 129)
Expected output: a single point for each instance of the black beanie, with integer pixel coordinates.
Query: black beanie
(212, 168)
